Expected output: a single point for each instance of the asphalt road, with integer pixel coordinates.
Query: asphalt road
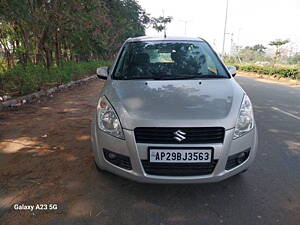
(267, 194)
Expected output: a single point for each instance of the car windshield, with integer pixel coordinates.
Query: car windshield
(168, 60)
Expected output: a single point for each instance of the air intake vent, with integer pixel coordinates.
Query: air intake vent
(179, 169)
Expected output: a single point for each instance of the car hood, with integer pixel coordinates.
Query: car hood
(175, 103)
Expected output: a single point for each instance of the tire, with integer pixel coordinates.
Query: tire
(97, 167)
(240, 173)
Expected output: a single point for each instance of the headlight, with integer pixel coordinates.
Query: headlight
(245, 121)
(107, 119)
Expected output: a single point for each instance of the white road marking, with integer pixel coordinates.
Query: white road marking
(286, 113)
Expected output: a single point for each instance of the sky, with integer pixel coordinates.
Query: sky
(250, 21)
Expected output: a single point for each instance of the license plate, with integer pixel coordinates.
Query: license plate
(180, 155)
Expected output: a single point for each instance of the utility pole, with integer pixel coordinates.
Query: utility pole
(225, 27)
(239, 34)
(185, 25)
(165, 32)
(232, 45)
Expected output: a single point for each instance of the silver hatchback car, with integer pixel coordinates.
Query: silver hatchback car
(171, 112)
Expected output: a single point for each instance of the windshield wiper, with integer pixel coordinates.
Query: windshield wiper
(212, 76)
(160, 78)
(188, 77)
(185, 77)
(174, 77)
(139, 78)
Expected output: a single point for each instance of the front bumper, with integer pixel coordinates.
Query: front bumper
(137, 152)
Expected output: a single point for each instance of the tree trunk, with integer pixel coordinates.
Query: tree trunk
(57, 50)
(25, 41)
(7, 54)
(42, 48)
(48, 57)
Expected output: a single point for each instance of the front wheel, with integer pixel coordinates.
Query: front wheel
(240, 173)
(97, 167)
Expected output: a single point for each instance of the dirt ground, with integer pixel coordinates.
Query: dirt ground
(45, 156)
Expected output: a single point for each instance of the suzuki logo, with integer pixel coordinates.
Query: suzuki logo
(179, 135)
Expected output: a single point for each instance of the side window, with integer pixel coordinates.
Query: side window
(213, 63)
(210, 65)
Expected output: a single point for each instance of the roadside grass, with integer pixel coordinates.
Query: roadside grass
(292, 72)
(25, 79)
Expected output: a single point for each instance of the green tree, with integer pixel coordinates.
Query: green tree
(259, 48)
(253, 53)
(53, 31)
(278, 44)
(295, 59)
(160, 23)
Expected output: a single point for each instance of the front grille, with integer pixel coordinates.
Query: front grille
(164, 135)
(179, 169)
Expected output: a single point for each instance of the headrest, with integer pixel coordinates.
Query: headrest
(178, 56)
(202, 59)
(175, 56)
(142, 58)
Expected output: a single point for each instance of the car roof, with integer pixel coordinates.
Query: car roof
(171, 38)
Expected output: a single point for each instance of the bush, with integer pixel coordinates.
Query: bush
(288, 71)
(22, 79)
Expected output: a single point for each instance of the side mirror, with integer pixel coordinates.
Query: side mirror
(232, 70)
(102, 72)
